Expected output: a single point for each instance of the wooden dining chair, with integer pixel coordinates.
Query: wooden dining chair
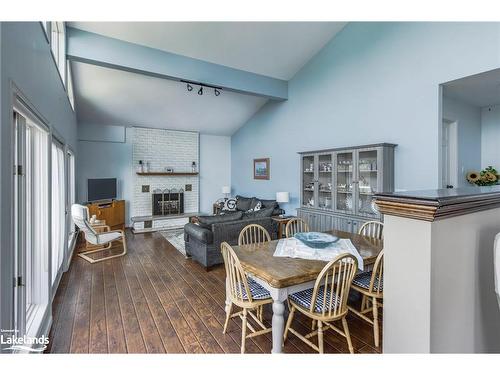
(371, 286)
(244, 293)
(373, 229)
(253, 234)
(296, 225)
(326, 302)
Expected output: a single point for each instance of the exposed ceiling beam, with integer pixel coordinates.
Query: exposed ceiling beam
(113, 53)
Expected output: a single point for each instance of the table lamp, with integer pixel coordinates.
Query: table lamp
(282, 197)
(226, 190)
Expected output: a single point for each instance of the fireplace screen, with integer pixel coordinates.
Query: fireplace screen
(168, 202)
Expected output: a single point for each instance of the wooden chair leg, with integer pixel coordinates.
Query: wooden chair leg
(313, 325)
(375, 322)
(347, 335)
(320, 337)
(288, 323)
(243, 331)
(363, 302)
(228, 316)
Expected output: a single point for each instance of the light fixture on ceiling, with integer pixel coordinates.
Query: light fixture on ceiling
(190, 84)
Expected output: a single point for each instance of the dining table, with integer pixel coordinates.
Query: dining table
(283, 276)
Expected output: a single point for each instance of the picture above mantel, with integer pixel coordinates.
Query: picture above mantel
(167, 173)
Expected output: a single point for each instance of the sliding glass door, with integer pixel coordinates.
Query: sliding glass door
(31, 221)
(59, 202)
(44, 190)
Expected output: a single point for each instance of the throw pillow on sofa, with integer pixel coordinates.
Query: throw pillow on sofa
(207, 221)
(256, 205)
(266, 203)
(263, 212)
(229, 205)
(243, 203)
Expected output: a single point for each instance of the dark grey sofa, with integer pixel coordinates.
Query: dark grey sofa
(203, 240)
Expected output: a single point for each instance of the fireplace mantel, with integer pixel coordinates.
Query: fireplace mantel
(167, 173)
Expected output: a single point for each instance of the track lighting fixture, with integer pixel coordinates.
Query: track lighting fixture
(190, 84)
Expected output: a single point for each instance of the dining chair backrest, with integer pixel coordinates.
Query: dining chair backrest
(80, 215)
(253, 234)
(377, 279)
(236, 278)
(335, 279)
(373, 229)
(296, 225)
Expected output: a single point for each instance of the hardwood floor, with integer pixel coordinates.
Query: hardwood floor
(153, 300)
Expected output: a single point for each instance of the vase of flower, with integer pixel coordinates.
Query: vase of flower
(487, 177)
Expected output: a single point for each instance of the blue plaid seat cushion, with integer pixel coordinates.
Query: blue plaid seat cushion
(256, 290)
(304, 298)
(362, 280)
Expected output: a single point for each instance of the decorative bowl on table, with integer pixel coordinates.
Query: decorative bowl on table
(316, 240)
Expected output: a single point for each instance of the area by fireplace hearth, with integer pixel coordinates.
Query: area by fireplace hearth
(168, 202)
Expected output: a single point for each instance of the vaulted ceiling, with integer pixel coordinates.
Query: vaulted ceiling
(276, 50)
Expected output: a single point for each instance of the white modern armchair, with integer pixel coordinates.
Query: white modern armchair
(80, 216)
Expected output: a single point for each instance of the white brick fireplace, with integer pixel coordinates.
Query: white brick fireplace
(162, 149)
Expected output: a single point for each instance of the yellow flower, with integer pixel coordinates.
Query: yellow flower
(490, 177)
(473, 177)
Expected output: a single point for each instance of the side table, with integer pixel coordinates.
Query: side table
(282, 221)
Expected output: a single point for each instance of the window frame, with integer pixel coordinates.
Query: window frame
(59, 56)
(59, 144)
(58, 47)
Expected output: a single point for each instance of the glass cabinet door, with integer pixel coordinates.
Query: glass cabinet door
(325, 180)
(308, 185)
(344, 182)
(367, 182)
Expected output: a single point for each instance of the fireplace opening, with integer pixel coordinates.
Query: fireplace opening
(168, 202)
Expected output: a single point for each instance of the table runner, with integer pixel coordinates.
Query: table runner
(294, 248)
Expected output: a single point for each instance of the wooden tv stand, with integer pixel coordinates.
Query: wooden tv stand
(112, 212)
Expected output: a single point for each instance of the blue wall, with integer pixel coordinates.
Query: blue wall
(490, 136)
(105, 152)
(374, 82)
(215, 169)
(468, 118)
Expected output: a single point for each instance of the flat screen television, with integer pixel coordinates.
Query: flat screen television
(101, 189)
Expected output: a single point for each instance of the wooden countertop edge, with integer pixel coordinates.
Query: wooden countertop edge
(435, 209)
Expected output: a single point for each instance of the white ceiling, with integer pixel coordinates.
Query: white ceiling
(275, 49)
(114, 97)
(480, 90)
